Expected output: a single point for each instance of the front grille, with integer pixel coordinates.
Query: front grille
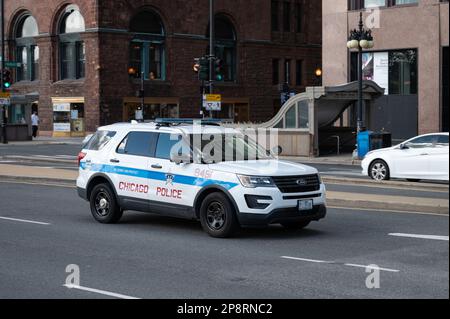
(297, 184)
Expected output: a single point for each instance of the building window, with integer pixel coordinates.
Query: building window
(27, 53)
(71, 48)
(225, 48)
(286, 16)
(147, 54)
(298, 18)
(274, 16)
(363, 4)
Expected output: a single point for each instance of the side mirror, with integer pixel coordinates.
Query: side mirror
(403, 146)
(277, 150)
(182, 158)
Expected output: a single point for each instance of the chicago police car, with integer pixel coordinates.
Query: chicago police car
(211, 178)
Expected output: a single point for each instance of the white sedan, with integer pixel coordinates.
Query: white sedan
(421, 158)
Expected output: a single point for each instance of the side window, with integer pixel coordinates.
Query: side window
(100, 140)
(165, 144)
(138, 144)
(443, 140)
(424, 141)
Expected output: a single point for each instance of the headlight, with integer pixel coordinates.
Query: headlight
(255, 181)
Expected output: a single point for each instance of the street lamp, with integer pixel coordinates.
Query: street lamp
(360, 39)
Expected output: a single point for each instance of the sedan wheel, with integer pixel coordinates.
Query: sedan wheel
(379, 171)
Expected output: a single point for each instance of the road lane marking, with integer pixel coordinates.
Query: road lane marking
(372, 267)
(335, 263)
(101, 292)
(24, 221)
(308, 260)
(432, 237)
(37, 183)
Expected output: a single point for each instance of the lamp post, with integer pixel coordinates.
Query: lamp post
(4, 119)
(360, 39)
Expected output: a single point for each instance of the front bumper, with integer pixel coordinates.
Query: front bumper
(281, 215)
(82, 193)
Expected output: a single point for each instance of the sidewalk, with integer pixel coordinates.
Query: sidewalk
(345, 159)
(335, 199)
(48, 141)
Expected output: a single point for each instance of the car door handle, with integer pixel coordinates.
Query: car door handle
(424, 154)
(157, 166)
(114, 160)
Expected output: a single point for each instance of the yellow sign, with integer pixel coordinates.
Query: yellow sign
(5, 95)
(213, 98)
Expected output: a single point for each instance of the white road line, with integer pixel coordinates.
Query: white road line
(101, 292)
(372, 267)
(432, 237)
(24, 221)
(308, 260)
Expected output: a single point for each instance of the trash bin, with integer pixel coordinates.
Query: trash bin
(369, 141)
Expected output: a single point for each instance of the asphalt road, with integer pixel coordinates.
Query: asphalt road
(148, 256)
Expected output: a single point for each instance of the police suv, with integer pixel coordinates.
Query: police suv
(202, 172)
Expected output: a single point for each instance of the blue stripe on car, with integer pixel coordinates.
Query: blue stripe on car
(178, 179)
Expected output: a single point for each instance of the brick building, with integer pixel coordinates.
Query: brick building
(82, 60)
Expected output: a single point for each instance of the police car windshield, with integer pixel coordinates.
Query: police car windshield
(217, 148)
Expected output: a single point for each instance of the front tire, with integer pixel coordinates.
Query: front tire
(218, 216)
(104, 207)
(379, 171)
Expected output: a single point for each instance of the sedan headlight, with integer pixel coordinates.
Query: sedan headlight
(255, 181)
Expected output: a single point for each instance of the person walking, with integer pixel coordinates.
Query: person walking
(35, 123)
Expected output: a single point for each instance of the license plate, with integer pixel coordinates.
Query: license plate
(305, 205)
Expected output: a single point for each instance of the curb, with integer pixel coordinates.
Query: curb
(37, 159)
(38, 180)
(388, 184)
(388, 206)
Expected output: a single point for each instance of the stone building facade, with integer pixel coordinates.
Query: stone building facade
(82, 60)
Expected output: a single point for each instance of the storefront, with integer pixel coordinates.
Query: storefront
(19, 116)
(68, 117)
(153, 108)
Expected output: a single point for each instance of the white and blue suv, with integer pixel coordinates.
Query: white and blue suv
(202, 172)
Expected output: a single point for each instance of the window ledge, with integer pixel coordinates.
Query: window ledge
(151, 82)
(69, 81)
(25, 83)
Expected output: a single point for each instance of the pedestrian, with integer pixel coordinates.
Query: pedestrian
(35, 123)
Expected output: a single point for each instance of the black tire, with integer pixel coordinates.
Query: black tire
(104, 207)
(218, 216)
(379, 171)
(295, 225)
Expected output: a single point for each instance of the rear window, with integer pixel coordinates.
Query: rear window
(443, 139)
(100, 140)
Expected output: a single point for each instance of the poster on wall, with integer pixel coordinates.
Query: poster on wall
(381, 70)
(61, 127)
(376, 68)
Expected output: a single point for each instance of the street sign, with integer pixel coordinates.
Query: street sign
(5, 95)
(5, 101)
(12, 64)
(212, 102)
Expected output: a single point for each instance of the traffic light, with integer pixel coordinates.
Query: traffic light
(6, 75)
(203, 73)
(219, 73)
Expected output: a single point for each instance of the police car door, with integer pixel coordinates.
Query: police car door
(178, 185)
(129, 168)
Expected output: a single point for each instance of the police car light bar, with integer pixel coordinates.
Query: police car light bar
(177, 121)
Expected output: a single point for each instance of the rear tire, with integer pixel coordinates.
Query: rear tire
(218, 216)
(379, 171)
(104, 207)
(295, 225)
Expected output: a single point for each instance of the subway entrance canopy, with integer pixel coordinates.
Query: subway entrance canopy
(307, 121)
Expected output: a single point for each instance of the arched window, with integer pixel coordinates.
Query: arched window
(225, 46)
(27, 52)
(71, 47)
(147, 54)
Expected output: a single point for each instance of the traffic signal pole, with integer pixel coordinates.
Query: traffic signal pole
(211, 49)
(4, 121)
